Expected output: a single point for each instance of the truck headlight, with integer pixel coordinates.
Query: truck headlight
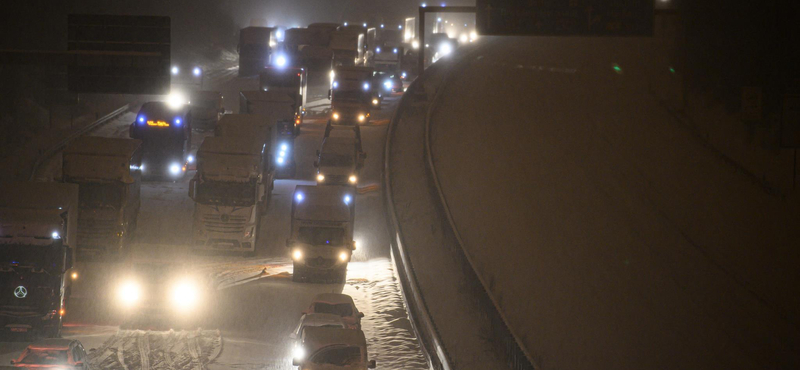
(361, 118)
(320, 177)
(129, 292)
(185, 295)
(375, 101)
(298, 352)
(343, 256)
(335, 116)
(353, 179)
(297, 255)
(249, 232)
(175, 169)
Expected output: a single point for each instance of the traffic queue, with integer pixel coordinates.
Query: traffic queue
(92, 212)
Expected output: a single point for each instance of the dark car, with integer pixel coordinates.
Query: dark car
(54, 353)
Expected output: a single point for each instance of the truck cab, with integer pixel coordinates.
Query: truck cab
(33, 264)
(351, 96)
(292, 81)
(166, 134)
(339, 159)
(108, 173)
(206, 108)
(231, 190)
(321, 241)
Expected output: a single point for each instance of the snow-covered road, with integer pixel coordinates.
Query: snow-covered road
(255, 305)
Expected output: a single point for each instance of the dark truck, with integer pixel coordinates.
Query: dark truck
(255, 47)
(37, 225)
(290, 81)
(351, 96)
(108, 173)
(166, 134)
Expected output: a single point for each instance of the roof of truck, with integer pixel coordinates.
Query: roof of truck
(237, 125)
(205, 95)
(270, 96)
(30, 194)
(106, 146)
(325, 203)
(231, 145)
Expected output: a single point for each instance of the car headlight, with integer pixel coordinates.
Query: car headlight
(361, 118)
(320, 177)
(175, 169)
(353, 179)
(343, 256)
(335, 116)
(185, 295)
(297, 254)
(298, 352)
(129, 292)
(375, 102)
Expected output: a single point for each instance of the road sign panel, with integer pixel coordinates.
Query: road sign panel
(565, 17)
(119, 54)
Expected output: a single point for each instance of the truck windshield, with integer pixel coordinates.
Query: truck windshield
(321, 235)
(50, 258)
(100, 195)
(274, 78)
(354, 95)
(338, 355)
(205, 103)
(335, 160)
(226, 193)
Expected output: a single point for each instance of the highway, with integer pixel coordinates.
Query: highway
(256, 304)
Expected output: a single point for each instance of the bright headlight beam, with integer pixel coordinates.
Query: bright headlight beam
(297, 254)
(185, 295)
(343, 256)
(320, 177)
(175, 169)
(130, 292)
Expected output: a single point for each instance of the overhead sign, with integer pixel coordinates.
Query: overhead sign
(565, 17)
(119, 54)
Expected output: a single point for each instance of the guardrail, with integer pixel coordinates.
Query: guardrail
(423, 324)
(60, 145)
(518, 357)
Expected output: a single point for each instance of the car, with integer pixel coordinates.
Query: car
(337, 304)
(333, 348)
(54, 353)
(339, 160)
(325, 320)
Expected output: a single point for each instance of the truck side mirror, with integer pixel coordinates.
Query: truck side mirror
(192, 185)
(372, 364)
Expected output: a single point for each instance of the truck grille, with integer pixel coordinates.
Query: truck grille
(224, 224)
(320, 262)
(96, 232)
(337, 179)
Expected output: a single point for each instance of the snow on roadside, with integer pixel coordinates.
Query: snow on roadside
(138, 349)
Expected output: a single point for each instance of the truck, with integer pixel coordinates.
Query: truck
(166, 134)
(38, 225)
(347, 43)
(350, 95)
(290, 81)
(206, 108)
(108, 173)
(321, 242)
(255, 47)
(232, 187)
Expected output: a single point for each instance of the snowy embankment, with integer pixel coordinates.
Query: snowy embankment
(450, 295)
(607, 234)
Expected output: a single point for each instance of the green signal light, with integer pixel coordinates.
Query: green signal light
(672, 69)
(617, 68)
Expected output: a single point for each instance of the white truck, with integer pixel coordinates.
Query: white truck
(108, 171)
(233, 184)
(340, 158)
(278, 108)
(38, 223)
(321, 241)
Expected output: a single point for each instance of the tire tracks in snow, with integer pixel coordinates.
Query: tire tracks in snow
(146, 350)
